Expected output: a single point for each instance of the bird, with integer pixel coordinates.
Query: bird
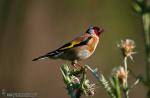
(78, 49)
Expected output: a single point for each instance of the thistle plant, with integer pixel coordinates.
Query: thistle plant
(76, 82)
(116, 86)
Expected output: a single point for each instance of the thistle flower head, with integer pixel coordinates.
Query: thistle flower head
(89, 88)
(75, 80)
(120, 73)
(127, 46)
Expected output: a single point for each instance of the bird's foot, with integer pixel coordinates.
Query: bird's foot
(76, 65)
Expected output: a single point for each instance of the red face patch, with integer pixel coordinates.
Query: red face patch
(98, 30)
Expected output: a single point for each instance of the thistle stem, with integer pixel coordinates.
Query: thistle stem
(126, 70)
(146, 24)
(125, 89)
(117, 85)
(145, 15)
(103, 81)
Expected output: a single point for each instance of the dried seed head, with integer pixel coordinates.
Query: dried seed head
(91, 89)
(75, 80)
(120, 73)
(88, 88)
(127, 46)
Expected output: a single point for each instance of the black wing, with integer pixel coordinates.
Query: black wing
(74, 44)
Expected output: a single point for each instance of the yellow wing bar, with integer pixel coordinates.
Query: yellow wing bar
(72, 44)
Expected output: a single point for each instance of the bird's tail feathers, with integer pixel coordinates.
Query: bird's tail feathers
(40, 58)
(52, 55)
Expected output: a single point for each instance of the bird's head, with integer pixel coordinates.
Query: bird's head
(95, 30)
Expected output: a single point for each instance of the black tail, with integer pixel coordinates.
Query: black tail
(53, 55)
(40, 58)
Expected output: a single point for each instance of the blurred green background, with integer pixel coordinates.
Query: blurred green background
(29, 28)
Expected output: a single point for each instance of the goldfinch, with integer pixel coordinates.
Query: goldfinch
(78, 49)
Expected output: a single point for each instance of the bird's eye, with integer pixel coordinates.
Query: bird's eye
(89, 31)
